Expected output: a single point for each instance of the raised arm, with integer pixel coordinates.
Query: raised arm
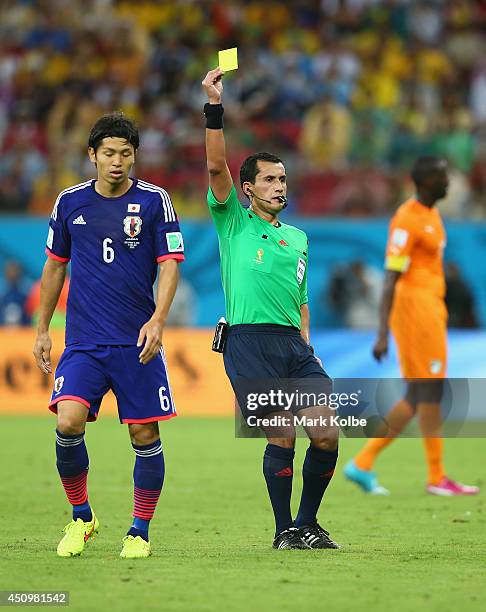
(220, 179)
(52, 282)
(380, 348)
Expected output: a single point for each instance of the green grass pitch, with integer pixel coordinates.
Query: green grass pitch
(212, 533)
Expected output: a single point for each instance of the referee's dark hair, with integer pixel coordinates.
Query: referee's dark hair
(424, 167)
(113, 125)
(249, 168)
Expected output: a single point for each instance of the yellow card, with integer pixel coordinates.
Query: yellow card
(228, 59)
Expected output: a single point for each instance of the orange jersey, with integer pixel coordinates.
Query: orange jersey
(415, 247)
(418, 318)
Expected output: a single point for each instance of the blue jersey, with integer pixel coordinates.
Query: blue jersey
(114, 245)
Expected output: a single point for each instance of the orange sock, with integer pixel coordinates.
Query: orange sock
(433, 452)
(430, 421)
(396, 420)
(366, 457)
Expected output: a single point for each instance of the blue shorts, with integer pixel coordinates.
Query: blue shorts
(259, 358)
(86, 372)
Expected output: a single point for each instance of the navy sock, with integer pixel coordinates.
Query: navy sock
(72, 465)
(148, 478)
(82, 511)
(278, 472)
(317, 472)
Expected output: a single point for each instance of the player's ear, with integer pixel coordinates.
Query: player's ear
(92, 155)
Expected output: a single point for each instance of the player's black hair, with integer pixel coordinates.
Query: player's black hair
(113, 125)
(249, 168)
(424, 167)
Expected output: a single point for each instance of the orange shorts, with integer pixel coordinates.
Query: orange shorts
(419, 326)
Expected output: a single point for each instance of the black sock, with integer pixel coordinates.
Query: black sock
(317, 472)
(278, 472)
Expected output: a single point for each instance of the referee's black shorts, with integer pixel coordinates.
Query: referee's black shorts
(261, 358)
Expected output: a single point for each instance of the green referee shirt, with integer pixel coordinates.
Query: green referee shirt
(263, 267)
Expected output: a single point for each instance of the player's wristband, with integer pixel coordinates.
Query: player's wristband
(214, 116)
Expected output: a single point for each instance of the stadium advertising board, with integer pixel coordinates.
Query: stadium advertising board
(197, 374)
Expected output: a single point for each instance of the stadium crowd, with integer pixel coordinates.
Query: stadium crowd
(348, 92)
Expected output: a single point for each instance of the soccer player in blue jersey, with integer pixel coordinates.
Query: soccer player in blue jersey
(116, 231)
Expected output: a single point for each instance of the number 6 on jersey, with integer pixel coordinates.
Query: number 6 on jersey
(108, 252)
(164, 399)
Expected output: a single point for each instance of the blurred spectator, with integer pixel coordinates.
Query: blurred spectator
(354, 292)
(453, 138)
(189, 200)
(12, 197)
(365, 192)
(478, 92)
(478, 181)
(459, 299)
(405, 146)
(426, 22)
(47, 187)
(12, 302)
(325, 136)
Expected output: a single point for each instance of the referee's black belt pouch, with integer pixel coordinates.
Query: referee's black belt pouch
(220, 335)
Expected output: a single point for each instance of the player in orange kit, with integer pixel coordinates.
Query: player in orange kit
(413, 306)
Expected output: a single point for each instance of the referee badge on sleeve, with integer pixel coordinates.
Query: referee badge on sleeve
(300, 270)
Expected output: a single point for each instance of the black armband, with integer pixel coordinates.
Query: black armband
(214, 116)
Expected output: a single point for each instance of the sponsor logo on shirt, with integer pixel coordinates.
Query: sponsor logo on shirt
(300, 270)
(132, 226)
(283, 243)
(58, 383)
(429, 229)
(175, 243)
(79, 220)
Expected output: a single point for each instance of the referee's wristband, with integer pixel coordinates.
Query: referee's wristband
(214, 116)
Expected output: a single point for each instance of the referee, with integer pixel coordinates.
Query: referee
(264, 273)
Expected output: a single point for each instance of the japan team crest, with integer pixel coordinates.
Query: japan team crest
(58, 383)
(132, 226)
